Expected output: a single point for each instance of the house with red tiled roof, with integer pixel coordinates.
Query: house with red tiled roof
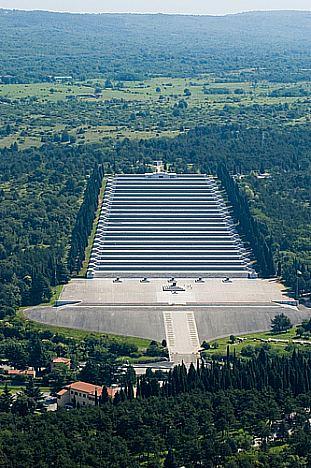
(82, 394)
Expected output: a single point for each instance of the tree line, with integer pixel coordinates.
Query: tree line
(84, 221)
(255, 232)
(279, 373)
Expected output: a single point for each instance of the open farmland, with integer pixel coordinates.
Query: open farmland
(92, 111)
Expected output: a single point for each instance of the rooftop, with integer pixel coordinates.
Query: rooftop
(31, 372)
(61, 360)
(86, 388)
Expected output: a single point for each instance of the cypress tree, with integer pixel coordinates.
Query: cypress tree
(169, 461)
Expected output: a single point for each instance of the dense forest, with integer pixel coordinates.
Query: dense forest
(247, 414)
(38, 45)
(39, 199)
(41, 192)
(254, 232)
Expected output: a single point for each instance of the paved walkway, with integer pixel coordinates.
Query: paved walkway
(181, 336)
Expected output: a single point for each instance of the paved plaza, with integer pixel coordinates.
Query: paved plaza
(156, 291)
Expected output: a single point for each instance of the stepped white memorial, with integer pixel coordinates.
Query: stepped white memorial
(166, 224)
(167, 262)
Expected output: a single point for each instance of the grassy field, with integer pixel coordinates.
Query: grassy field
(255, 340)
(56, 292)
(18, 388)
(149, 90)
(156, 107)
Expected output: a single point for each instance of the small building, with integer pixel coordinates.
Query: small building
(30, 372)
(60, 360)
(62, 79)
(79, 394)
(83, 394)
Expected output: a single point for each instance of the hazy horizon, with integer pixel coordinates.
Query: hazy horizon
(197, 7)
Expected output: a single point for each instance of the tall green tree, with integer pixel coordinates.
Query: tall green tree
(280, 323)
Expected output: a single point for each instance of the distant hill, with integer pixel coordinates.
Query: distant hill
(37, 44)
